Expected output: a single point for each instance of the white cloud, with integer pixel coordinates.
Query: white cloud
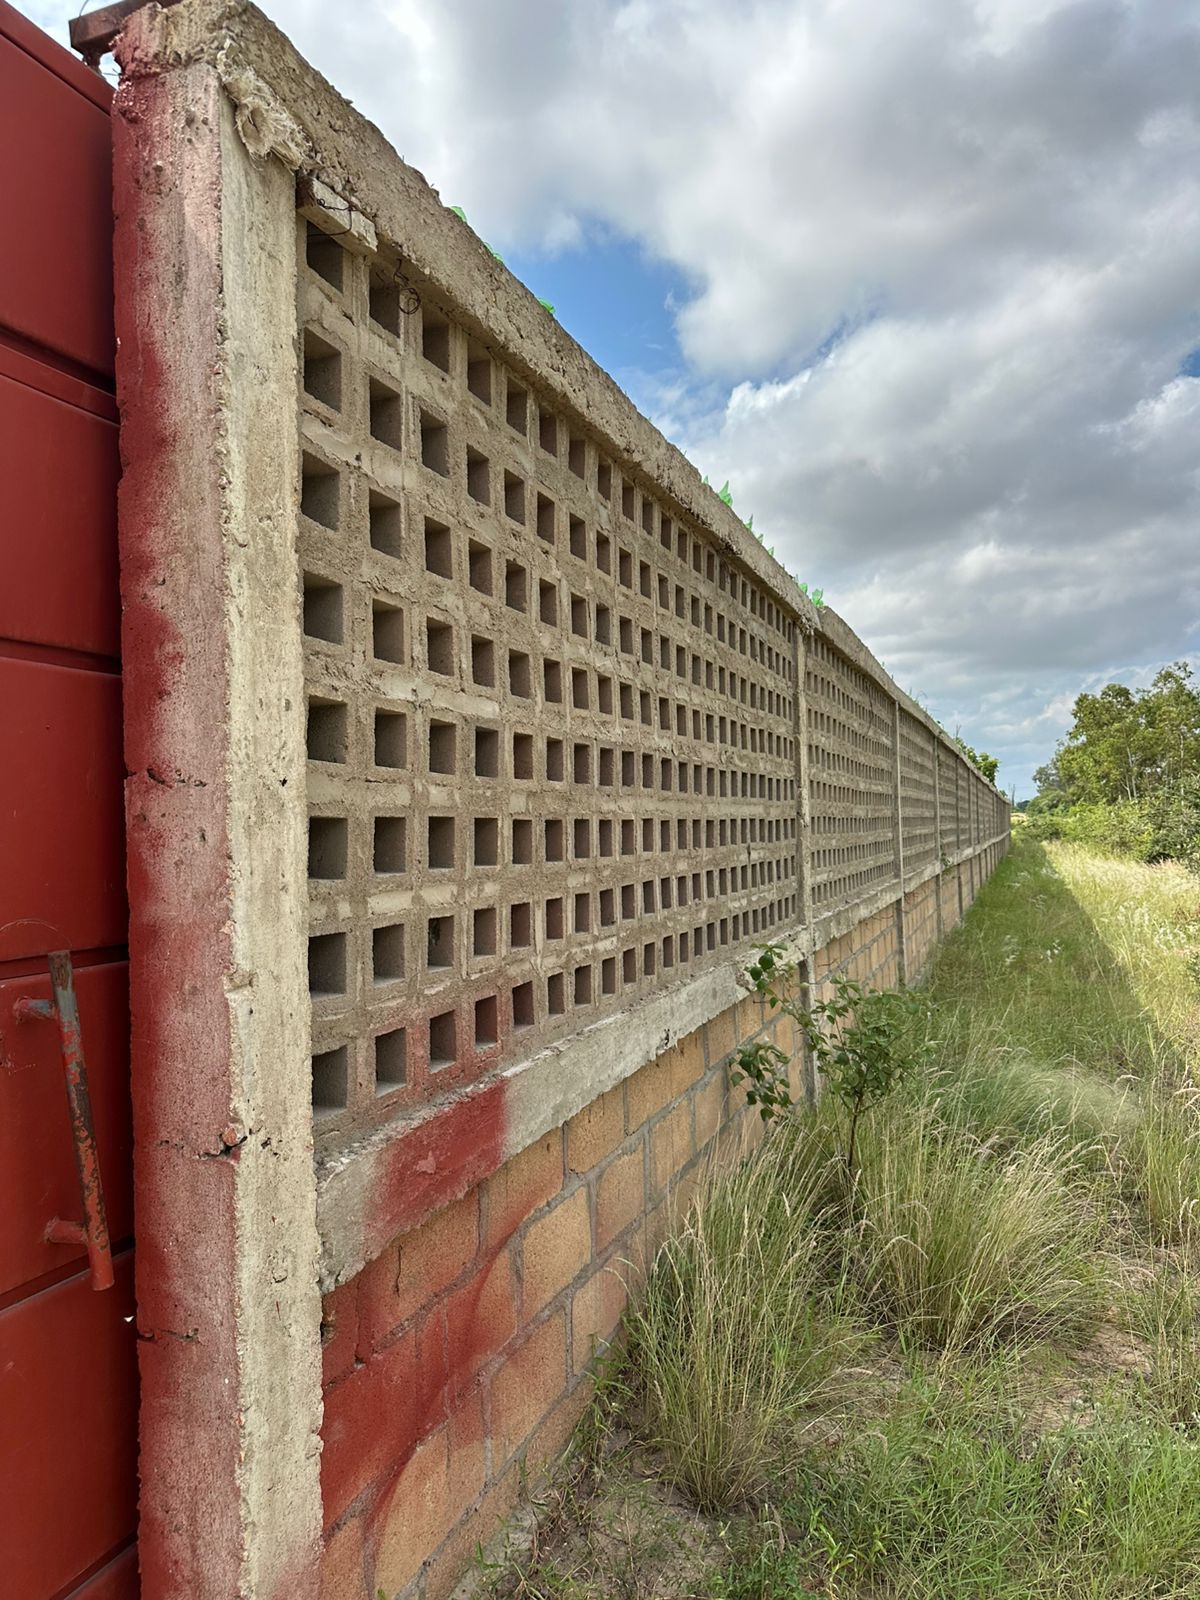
(946, 258)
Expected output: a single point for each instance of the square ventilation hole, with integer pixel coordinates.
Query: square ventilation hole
(520, 925)
(522, 841)
(385, 408)
(322, 370)
(487, 753)
(320, 491)
(443, 1041)
(391, 1060)
(435, 444)
(519, 680)
(441, 843)
(439, 646)
(387, 953)
(390, 845)
(323, 605)
(327, 845)
(479, 372)
(479, 477)
(330, 1081)
(328, 724)
(514, 498)
(487, 841)
(545, 518)
(324, 256)
(556, 991)
(443, 740)
(548, 431)
(483, 661)
(435, 337)
(384, 300)
(487, 1023)
(391, 738)
(439, 955)
(522, 1005)
(439, 549)
(479, 566)
(387, 632)
(483, 932)
(383, 516)
(326, 964)
(516, 586)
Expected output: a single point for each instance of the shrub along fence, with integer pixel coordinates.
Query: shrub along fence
(475, 745)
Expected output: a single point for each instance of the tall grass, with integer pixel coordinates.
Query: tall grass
(736, 1332)
(963, 1244)
(970, 1370)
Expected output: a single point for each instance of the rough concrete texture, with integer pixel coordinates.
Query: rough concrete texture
(411, 584)
(227, 1243)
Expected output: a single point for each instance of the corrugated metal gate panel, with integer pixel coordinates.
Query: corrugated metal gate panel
(55, 283)
(68, 1373)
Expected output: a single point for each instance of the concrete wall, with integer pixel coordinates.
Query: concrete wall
(414, 595)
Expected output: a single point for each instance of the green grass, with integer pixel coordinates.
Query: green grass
(971, 1371)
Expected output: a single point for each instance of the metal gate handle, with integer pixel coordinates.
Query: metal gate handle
(93, 1230)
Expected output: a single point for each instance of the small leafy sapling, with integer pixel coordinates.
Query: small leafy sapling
(863, 1043)
(864, 1046)
(760, 1065)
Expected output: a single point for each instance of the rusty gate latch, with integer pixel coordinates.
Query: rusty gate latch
(93, 1230)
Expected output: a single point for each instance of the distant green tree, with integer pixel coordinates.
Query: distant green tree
(1127, 744)
(988, 765)
(1127, 776)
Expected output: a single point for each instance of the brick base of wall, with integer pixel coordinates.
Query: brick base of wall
(459, 1360)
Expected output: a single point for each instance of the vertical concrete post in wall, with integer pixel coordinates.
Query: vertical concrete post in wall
(901, 938)
(228, 1308)
(804, 830)
(937, 830)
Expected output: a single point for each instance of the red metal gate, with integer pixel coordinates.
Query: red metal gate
(68, 1367)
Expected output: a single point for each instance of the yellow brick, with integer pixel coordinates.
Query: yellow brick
(647, 1092)
(342, 1574)
(620, 1196)
(687, 1063)
(710, 1102)
(596, 1132)
(670, 1146)
(522, 1185)
(595, 1312)
(722, 1034)
(421, 1510)
(480, 1527)
(557, 1248)
(527, 1386)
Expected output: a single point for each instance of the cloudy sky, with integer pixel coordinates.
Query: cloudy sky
(921, 278)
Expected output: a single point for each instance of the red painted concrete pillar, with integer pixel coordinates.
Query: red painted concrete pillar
(228, 1307)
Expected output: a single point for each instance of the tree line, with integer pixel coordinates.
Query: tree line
(1127, 775)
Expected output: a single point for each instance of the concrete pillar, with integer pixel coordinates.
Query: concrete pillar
(901, 937)
(228, 1308)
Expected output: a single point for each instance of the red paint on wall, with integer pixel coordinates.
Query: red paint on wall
(437, 1161)
(379, 1411)
(376, 1417)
